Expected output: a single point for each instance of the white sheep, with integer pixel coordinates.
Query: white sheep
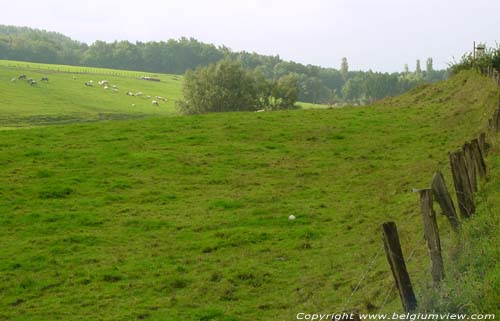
(154, 102)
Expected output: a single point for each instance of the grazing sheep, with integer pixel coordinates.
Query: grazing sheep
(129, 93)
(155, 103)
(22, 77)
(260, 110)
(148, 97)
(114, 90)
(106, 87)
(32, 82)
(103, 82)
(138, 93)
(291, 217)
(46, 79)
(89, 84)
(114, 87)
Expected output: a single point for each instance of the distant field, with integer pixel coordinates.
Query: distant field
(186, 218)
(66, 99)
(311, 105)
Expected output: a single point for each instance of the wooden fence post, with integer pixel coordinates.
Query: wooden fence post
(477, 155)
(462, 184)
(482, 143)
(469, 164)
(494, 121)
(442, 196)
(398, 266)
(431, 233)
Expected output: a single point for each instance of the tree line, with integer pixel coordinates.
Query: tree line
(316, 84)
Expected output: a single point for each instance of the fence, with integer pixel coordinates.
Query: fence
(73, 69)
(467, 168)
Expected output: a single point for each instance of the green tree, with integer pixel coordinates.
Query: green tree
(429, 69)
(418, 69)
(344, 67)
(285, 92)
(225, 86)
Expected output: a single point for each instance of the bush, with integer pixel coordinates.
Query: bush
(489, 59)
(227, 86)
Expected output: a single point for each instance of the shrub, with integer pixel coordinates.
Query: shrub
(227, 86)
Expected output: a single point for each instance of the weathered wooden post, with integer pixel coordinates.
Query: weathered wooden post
(462, 184)
(493, 120)
(494, 123)
(469, 164)
(431, 233)
(442, 196)
(482, 143)
(398, 266)
(479, 162)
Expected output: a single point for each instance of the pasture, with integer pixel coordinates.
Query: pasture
(186, 218)
(65, 98)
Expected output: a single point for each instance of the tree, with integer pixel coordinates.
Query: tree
(429, 70)
(344, 67)
(285, 92)
(227, 86)
(418, 70)
(406, 70)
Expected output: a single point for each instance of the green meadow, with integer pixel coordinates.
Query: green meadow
(186, 218)
(66, 99)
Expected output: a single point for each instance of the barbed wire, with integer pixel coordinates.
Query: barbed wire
(393, 284)
(363, 276)
(365, 272)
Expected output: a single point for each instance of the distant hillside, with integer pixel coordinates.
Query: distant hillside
(66, 99)
(317, 84)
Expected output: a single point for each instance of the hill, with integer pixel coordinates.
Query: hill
(186, 218)
(176, 56)
(66, 99)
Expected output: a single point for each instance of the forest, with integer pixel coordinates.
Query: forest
(316, 84)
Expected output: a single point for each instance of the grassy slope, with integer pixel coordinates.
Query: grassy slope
(185, 218)
(65, 99)
(473, 277)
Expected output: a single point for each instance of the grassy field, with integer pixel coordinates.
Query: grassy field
(186, 218)
(65, 98)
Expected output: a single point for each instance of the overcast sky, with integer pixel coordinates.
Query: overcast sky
(380, 35)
